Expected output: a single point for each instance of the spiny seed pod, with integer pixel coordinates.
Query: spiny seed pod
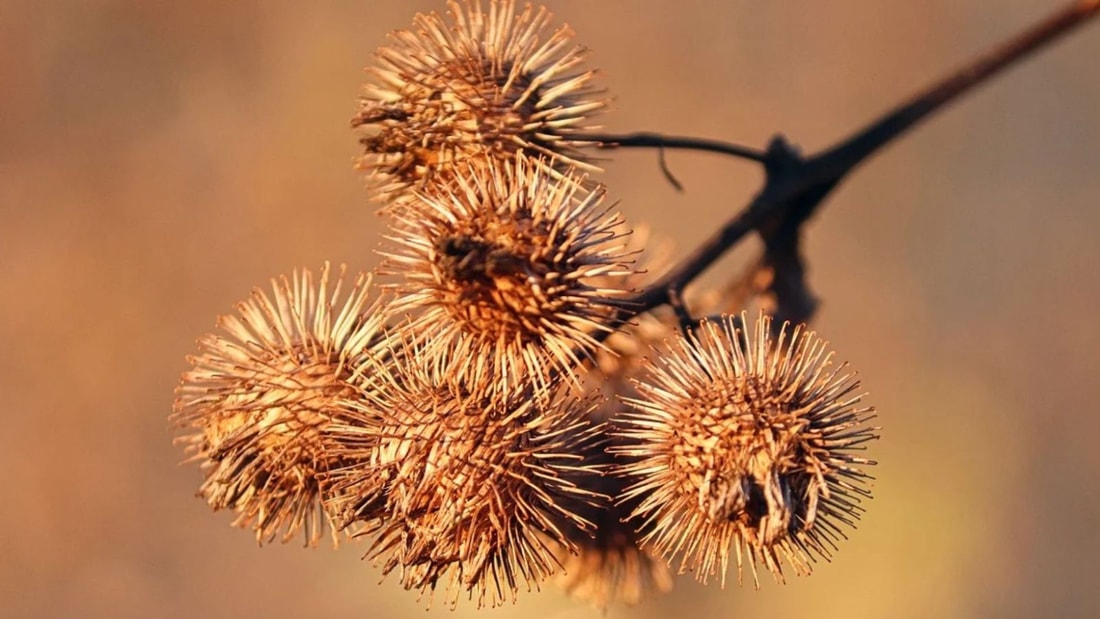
(472, 486)
(260, 397)
(608, 565)
(745, 443)
(488, 84)
(610, 568)
(509, 273)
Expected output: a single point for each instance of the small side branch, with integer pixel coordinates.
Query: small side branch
(654, 140)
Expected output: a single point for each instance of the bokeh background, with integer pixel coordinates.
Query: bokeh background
(159, 159)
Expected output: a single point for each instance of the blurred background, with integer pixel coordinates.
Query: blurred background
(159, 159)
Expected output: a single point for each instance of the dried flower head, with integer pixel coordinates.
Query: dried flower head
(745, 443)
(607, 565)
(472, 486)
(260, 396)
(610, 565)
(510, 272)
(484, 84)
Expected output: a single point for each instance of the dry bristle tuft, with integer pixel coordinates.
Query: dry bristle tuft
(469, 487)
(608, 566)
(509, 273)
(260, 397)
(745, 444)
(481, 84)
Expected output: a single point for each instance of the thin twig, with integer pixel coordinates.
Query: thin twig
(795, 187)
(654, 140)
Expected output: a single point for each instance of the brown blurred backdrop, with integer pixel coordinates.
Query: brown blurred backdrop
(159, 159)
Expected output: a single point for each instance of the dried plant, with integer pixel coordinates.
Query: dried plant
(484, 84)
(742, 442)
(473, 485)
(605, 563)
(510, 274)
(260, 397)
(532, 396)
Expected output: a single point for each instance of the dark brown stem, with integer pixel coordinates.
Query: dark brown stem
(850, 152)
(796, 186)
(654, 140)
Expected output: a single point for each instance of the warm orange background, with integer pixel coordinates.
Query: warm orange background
(159, 159)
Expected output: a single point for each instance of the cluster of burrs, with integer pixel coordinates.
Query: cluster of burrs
(489, 409)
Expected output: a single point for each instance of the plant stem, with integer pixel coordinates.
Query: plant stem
(654, 140)
(796, 186)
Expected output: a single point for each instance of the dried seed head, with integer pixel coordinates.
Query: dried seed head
(472, 486)
(745, 443)
(260, 396)
(509, 272)
(480, 84)
(608, 566)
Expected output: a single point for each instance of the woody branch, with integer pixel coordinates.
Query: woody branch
(795, 186)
